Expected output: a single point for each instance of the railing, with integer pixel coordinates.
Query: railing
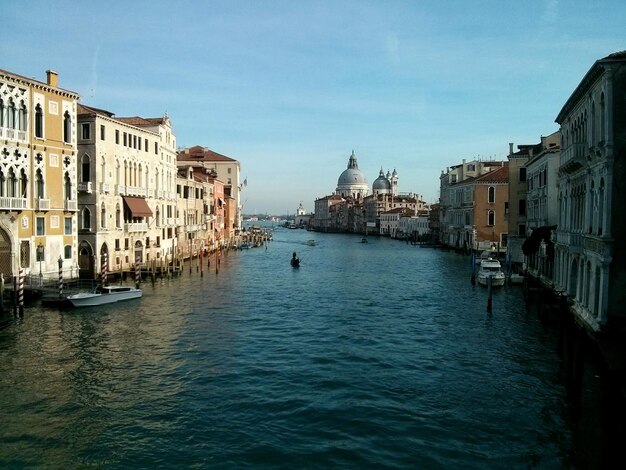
(136, 191)
(120, 189)
(71, 205)
(572, 239)
(42, 204)
(12, 203)
(171, 221)
(85, 187)
(159, 194)
(136, 227)
(598, 245)
(105, 187)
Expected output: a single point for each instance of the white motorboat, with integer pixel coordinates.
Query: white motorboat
(490, 268)
(311, 242)
(104, 295)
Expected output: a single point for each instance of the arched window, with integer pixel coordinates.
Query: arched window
(1, 113)
(21, 117)
(491, 218)
(2, 183)
(593, 124)
(491, 195)
(103, 216)
(601, 207)
(39, 185)
(85, 166)
(118, 216)
(11, 184)
(86, 225)
(11, 115)
(602, 118)
(158, 219)
(67, 128)
(38, 121)
(67, 185)
(23, 183)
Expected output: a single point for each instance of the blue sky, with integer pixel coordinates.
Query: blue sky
(290, 88)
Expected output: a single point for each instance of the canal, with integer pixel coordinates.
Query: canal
(369, 355)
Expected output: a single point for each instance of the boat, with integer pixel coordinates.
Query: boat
(295, 261)
(364, 240)
(311, 242)
(487, 254)
(490, 268)
(102, 295)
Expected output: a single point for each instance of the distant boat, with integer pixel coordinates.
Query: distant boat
(311, 242)
(364, 240)
(104, 295)
(295, 261)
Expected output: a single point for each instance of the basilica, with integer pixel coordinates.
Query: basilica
(355, 207)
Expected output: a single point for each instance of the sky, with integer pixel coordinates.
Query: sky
(291, 88)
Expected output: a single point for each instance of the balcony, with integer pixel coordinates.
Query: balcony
(42, 204)
(136, 191)
(136, 227)
(13, 203)
(105, 188)
(171, 221)
(159, 194)
(71, 205)
(85, 187)
(599, 245)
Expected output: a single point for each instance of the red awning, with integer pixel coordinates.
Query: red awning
(138, 206)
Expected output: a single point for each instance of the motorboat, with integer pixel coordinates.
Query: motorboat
(102, 295)
(364, 240)
(490, 268)
(485, 255)
(311, 242)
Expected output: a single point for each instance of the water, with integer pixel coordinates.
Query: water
(369, 355)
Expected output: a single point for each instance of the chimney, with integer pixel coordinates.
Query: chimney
(510, 148)
(53, 78)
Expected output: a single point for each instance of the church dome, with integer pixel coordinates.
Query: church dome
(381, 184)
(352, 182)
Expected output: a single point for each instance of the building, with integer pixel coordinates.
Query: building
(38, 177)
(126, 191)
(589, 266)
(542, 212)
(390, 221)
(518, 189)
(302, 219)
(228, 171)
(474, 202)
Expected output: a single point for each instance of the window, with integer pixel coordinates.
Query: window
(139, 143)
(22, 117)
(522, 174)
(38, 122)
(68, 186)
(103, 216)
(117, 136)
(85, 168)
(67, 252)
(102, 132)
(522, 207)
(156, 148)
(229, 170)
(117, 244)
(39, 185)
(470, 167)
(68, 226)
(491, 195)
(85, 131)
(41, 226)
(491, 218)
(146, 146)
(125, 139)
(126, 244)
(118, 216)
(67, 128)
(521, 230)
(506, 208)
(86, 219)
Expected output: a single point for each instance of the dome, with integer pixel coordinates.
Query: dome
(352, 181)
(351, 176)
(381, 184)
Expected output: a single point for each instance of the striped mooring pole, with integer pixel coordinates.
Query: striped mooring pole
(103, 271)
(20, 292)
(137, 273)
(60, 261)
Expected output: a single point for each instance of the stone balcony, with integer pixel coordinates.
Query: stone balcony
(13, 203)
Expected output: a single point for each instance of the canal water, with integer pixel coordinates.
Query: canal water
(369, 355)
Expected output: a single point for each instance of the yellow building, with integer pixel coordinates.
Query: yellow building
(38, 200)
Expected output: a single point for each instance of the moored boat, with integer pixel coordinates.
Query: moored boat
(490, 268)
(102, 295)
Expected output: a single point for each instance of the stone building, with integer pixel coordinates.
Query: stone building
(38, 177)
(126, 191)
(589, 266)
